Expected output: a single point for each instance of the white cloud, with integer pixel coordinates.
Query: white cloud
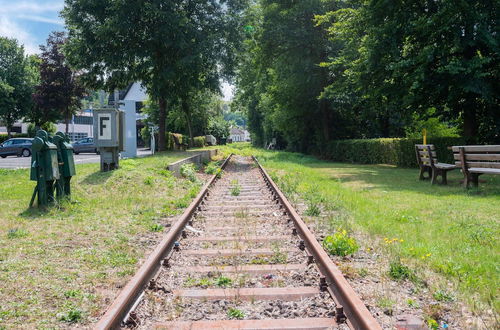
(10, 29)
(42, 19)
(30, 6)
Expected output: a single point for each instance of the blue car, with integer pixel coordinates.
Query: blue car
(16, 147)
(85, 145)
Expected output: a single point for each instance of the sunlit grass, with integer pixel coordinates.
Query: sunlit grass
(448, 230)
(58, 266)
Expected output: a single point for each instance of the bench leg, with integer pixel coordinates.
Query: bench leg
(424, 170)
(444, 177)
(435, 173)
(475, 180)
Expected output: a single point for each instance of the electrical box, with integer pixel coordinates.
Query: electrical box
(109, 136)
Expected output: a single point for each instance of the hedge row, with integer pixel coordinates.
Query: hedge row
(400, 152)
(5, 137)
(198, 141)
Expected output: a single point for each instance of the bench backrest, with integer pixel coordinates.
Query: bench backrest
(426, 154)
(477, 156)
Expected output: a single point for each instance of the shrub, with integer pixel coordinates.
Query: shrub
(234, 313)
(398, 271)
(212, 168)
(393, 151)
(340, 244)
(48, 127)
(199, 141)
(188, 171)
(5, 137)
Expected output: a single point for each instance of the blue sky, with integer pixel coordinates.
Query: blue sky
(30, 21)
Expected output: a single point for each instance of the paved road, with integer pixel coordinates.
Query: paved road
(13, 162)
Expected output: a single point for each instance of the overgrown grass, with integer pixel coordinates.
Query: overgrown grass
(448, 231)
(58, 266)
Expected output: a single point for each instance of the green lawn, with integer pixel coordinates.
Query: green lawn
(66, 264)
(448, 232)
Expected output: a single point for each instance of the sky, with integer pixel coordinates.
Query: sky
(31, 22)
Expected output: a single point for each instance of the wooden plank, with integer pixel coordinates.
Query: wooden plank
(424, 146)
(289, 294)
(268, 324)
(426, 154)
(485, 148)
(484, 170)
(469, 157)
(481, 164)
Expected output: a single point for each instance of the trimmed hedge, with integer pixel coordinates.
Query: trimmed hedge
(5, 137)
(393, 151)
(199, 141)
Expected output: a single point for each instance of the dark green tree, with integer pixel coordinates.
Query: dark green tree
(59, 92)
(17, 77)
(167, 45)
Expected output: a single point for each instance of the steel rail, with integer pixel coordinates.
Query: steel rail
(357, 314)
(121, 306)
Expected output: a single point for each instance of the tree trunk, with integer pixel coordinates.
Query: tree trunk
(185, 107)
(470, 120)
(67, 121)
(9, 131)
(162, 129)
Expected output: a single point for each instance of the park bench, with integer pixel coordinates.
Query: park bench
(477, 160)
(427, 161)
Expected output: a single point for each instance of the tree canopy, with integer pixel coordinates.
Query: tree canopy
(316, 71)
(17, 77)
(172, 47)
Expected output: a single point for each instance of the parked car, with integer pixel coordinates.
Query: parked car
(16, 147)
(85, 145)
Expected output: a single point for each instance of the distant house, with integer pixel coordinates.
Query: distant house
(239, 135)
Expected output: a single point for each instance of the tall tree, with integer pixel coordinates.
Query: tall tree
(167, 45)
(17, 77)
(59, 93)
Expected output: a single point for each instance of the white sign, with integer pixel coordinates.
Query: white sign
(104, 126)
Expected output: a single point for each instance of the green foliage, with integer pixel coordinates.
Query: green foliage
(218, 127)
(400, 152)
(223, 281)
(188, 171)
(199, 141)
(442, 295)
(18, 74)
(434, 126)
(212, 168)
(72, 316)
(5, 137)
(313, 209)
(17, 233)
(340, 244)
(398, 271)
(235, 190)
(48, 127)
(234, 313)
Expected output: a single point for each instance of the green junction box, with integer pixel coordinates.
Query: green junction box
(52, 167)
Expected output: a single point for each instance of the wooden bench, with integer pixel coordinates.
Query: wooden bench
(477, 160)
(428, 162)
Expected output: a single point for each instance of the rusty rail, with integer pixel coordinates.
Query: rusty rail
(358, 316)
(121, 306)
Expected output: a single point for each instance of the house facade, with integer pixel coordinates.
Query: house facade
(239, 135)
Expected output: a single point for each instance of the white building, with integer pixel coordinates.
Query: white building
(239, 135)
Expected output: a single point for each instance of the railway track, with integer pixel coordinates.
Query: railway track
(240, 257)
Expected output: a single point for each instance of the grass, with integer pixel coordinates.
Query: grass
(59, 266)
(446, 231)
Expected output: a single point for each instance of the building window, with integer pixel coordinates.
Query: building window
(84, 120)
(77, 136)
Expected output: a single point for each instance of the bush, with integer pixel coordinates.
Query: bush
(398, 271)
(199, 141)
(188, 171)
(340, 244)
(5, 137)
(48, 127)
(171, 141)
(393, 151)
